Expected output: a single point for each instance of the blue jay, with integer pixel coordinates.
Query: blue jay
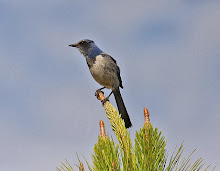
(105, 71)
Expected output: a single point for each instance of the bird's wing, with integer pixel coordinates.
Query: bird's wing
(117, 67)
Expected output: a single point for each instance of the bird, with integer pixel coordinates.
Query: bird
(106, 72)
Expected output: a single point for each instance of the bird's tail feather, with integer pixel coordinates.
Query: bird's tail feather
(122, 108)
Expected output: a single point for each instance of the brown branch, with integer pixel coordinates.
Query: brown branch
(81, 167)
(147, 116)
(102, 128)
(113, 166)
(147, 120)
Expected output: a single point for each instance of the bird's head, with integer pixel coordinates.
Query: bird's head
(87, 48)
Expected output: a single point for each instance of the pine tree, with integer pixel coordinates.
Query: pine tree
(148, 153)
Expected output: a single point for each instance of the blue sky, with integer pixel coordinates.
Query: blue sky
(168, 52)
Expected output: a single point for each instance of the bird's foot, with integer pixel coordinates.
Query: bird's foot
(98, 91)
(104, 100)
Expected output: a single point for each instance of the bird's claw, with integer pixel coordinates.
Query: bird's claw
(97, 92)
(104, 100)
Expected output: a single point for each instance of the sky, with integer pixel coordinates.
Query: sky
(169, 55)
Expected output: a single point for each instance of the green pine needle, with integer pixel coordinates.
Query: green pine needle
(148, 154)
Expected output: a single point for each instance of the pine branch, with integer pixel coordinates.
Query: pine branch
(149, 152)
(150, 147)
(122, 134)
(106, 155)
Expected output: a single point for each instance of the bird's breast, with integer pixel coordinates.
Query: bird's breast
(99, 62)
(101, 73)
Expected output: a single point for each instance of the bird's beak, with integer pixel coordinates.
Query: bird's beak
(72, 45)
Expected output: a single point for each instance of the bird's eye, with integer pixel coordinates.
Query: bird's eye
(81, 42)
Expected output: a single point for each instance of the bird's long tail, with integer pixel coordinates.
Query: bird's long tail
(122, 108)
